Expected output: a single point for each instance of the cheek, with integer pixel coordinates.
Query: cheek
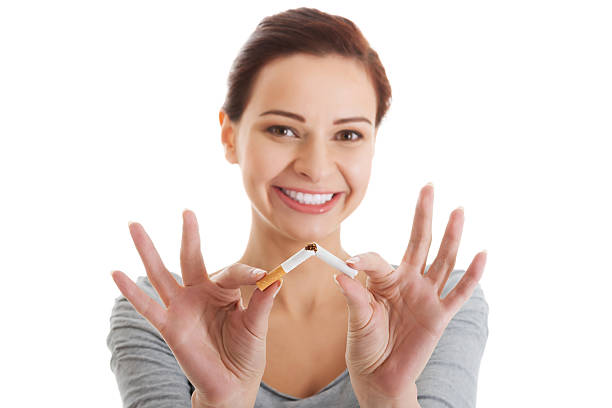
(358, 170)
(261, 163)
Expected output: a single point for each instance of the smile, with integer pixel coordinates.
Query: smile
(304, 198)
(307, 202)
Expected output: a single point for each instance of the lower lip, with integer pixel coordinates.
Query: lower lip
(308, 208)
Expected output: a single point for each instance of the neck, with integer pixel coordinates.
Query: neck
(305, 288)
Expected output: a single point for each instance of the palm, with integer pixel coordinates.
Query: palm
(204, 339)
(398, 318)
(220, 346)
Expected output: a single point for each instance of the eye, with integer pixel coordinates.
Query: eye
(344, 133)
(280, 130)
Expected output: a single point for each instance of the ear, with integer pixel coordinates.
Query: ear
(228, 137)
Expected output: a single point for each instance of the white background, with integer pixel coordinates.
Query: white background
(108, 113)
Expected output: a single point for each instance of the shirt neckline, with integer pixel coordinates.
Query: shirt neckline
(291, 397)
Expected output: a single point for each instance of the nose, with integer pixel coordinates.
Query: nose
(314, 159)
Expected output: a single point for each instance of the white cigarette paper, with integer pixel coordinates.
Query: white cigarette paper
(333, 260)
(296, 259)
(281, 270)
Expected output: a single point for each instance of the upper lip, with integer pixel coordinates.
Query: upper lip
(301, 190)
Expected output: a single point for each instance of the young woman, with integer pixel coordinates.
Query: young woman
(306, 97)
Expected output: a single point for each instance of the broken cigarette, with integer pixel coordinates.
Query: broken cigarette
(299, 257)
(284, 268)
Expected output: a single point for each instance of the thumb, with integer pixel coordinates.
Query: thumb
(358, 300)
(258, 310)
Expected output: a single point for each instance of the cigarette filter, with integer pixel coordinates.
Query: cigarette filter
(284, 268)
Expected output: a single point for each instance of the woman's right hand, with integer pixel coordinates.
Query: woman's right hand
(220, 345)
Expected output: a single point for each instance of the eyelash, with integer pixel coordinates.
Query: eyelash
(359, 135)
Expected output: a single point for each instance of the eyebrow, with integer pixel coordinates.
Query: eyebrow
(301, 118)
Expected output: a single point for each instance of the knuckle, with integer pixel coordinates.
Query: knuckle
(222, 275)
(235, 266)
(373, 255)
(454, 237)
(443, 261)
(417, 236)
(241, 269)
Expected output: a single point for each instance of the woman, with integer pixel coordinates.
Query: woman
(306, 97)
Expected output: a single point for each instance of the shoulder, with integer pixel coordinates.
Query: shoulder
(144, 366)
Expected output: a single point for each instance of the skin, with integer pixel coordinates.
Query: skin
(383, 325)
(312, 155)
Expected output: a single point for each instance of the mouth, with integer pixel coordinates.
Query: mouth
(308, 201)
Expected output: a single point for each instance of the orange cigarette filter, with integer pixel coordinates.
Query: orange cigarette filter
(271, 277)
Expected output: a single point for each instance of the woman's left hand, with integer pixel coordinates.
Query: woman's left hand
(396, 321)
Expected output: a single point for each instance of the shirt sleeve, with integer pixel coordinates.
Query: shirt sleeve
(147, 372)
(449, 380)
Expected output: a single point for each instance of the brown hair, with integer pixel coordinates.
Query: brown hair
(302, 30)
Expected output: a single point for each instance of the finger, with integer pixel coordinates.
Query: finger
(420, 237)
(143, 303)
(162, 281)
(444, 263)
(380, 272)
(192, 263)
(237, 275)
(464, 288)
(258, 311)
(358, 300)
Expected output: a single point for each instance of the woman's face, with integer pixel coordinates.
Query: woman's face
(322, 143)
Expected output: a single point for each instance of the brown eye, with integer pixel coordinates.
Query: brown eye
(350, 135)
(280, 130)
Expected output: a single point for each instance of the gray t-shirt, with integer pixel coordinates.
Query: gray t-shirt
(148, 374)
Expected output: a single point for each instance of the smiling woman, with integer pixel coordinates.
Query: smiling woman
(305, 100)
(322, 99)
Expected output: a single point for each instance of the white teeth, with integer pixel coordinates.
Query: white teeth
(312, 199)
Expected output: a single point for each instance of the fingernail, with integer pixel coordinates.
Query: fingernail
(278, 289)
(430, 184)
(256, 272)
(460, 208)
(130, 223)
(353, 260)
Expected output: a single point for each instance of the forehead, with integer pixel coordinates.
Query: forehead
(315, 87)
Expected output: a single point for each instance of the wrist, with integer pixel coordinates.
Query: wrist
(369, 398)
(389, 403)
(245, 400)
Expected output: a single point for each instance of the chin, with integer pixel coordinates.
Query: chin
(308, 232)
